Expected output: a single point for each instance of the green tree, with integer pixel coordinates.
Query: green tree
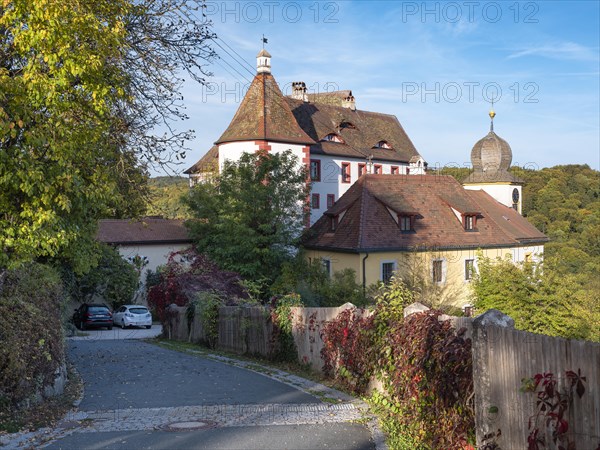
(540, 301)
(83, 86)
(251, 218)
(114, 280)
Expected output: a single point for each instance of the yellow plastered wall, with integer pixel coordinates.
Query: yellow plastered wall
(417, 266)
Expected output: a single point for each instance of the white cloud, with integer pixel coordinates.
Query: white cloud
(561, 51)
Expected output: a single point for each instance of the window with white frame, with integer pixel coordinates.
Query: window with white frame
(387, 270)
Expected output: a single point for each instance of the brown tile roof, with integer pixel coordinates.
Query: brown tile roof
(144, 231)
(366, 224)
(208, 163)
(320, 119)
(335, 98)
(264, 115)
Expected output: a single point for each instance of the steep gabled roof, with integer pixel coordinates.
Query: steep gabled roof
(208, 163)
(320, 119)
(264, 115)
(366, 219)
(147, 231)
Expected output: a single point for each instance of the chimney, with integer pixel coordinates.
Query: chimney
(299, 91)
(349, 102)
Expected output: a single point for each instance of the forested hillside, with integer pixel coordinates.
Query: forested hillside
(165, 197)
(564, 203)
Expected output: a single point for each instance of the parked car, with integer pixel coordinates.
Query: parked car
(93, 315)
(132, 315)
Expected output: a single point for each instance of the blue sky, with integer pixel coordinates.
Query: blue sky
(434, 65)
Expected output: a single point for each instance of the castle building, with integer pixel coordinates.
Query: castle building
(337, 142)
(374, 207)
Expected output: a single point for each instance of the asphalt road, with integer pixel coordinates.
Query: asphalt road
(141, 396)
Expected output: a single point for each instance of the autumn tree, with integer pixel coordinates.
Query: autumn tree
(251, 218)
(83, 87)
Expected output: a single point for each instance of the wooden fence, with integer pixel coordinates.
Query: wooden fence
(502, 357)
(242, 330)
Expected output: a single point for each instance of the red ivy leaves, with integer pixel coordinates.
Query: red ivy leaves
(552, 406)
(426, 364)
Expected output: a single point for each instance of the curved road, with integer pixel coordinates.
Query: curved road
(141, 396)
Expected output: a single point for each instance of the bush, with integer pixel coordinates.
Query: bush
(425, 366)
(316, 287)
(113, 280)
(206, 307)
(187, 273)
(31, 333)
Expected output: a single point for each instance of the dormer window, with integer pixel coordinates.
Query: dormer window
(334, 222)
(383, 144)
(332, 137)
(469, 222)
(406, 222)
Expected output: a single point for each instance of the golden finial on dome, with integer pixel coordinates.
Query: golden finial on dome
(492, 115)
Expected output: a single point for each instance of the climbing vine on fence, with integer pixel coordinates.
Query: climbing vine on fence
(347, 350)
(424, 364)
(284, 347)
(205, 307)
(549, 423)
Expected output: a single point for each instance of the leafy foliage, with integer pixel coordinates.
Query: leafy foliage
(283, 340)
(165, 197)
(314, 285)
(250, 220)
(83, 86)
(425, 366)
(206, 306)
(31, 300)
(540, 301)
(186, 274)
(113, 279)
(347, 349)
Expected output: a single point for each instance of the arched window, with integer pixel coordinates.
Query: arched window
(383, 144)
(332, 137)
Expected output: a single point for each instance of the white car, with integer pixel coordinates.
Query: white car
(132, 315)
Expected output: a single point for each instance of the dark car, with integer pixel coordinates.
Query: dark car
(93, 315)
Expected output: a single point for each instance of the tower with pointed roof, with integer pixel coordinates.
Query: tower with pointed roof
(491, 157)
(263, 121)
(337, 142)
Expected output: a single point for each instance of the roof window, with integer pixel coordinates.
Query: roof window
(332, 137)
(383, 144)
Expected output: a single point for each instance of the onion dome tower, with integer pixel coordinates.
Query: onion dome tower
(491, 157)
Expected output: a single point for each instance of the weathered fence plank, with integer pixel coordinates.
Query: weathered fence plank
(503, 357)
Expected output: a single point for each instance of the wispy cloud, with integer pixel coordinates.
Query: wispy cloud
(561, 51)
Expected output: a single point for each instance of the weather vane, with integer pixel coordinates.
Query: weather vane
(264, 41)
